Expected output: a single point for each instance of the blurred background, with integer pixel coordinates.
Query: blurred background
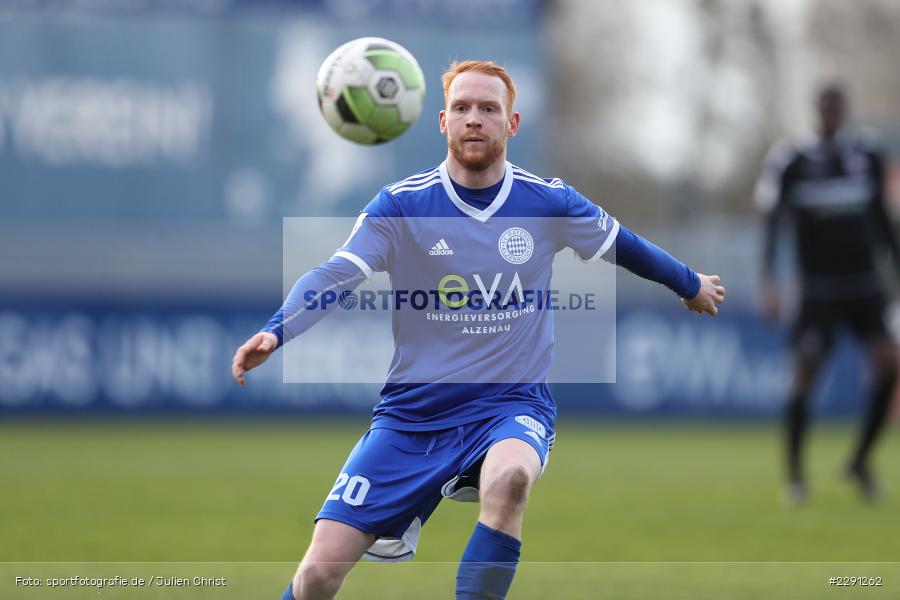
(149, 150)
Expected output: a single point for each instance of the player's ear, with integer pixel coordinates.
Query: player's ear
(512, 127)
(442, 118)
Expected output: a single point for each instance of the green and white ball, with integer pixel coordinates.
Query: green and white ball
(370, 90)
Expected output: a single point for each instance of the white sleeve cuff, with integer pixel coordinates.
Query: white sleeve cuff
(365, 268)
(607, 244)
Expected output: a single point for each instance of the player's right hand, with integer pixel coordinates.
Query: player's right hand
(711, 294)
(252, 353)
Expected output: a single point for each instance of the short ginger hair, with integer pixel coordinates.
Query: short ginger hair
(480, 66)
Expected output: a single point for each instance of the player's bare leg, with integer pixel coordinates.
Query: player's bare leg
(489, 562)
(510, 469)
(884, 357)
(807, 364)
(335, 549)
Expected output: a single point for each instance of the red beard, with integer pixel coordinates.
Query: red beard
(476, 157)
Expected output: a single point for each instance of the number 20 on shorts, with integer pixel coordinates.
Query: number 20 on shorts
(355, 489)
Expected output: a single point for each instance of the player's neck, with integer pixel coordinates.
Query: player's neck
(476, 180)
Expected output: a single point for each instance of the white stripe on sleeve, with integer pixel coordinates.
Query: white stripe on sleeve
(365, 268)
(607, 243)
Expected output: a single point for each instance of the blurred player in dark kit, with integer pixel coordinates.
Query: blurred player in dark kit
(831, 187)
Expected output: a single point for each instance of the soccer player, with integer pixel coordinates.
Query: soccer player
(463, 416)
(832, 188)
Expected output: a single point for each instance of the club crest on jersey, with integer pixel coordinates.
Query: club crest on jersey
(516, 245)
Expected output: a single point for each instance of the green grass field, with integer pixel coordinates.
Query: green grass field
(624, 511)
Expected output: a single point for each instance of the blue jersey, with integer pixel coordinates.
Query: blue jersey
(473, 337)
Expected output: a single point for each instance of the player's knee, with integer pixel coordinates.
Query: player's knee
(886, 365)
(888, 373)
(797, 400)
(805, 371)
(321, 578)
(508, 487)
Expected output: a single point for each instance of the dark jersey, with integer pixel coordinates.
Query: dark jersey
(833, 192)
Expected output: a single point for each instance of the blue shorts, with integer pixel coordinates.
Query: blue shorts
(393, 480)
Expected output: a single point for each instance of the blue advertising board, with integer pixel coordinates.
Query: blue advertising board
(127, 359)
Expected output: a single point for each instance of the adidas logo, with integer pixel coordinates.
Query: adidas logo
(602, 223)
(440, 249)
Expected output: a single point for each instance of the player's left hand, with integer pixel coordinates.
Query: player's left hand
(711, 294)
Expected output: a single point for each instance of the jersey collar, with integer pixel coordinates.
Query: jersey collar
(468, 209)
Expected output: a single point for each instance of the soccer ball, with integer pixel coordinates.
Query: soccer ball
(370, 90)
